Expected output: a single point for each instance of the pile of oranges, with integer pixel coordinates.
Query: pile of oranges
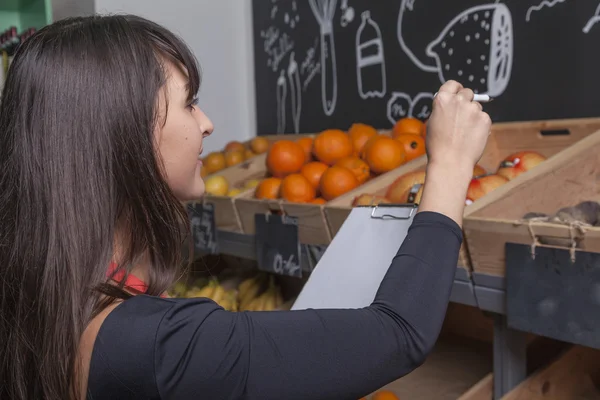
(335, 162)
(234, 153)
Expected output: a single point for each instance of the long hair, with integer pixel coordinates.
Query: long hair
(78, 169)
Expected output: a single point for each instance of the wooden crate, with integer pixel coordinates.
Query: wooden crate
(312, 224)
(226, 214)
(564, 180)
(545, 137)
(573, 375)
(457, 367)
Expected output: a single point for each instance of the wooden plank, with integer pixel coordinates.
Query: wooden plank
(574, 375)
(483, 390)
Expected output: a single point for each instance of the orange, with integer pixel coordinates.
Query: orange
(259, 145)
(215, 162)
(359, 168)
(407, 125)
(204, 172)
(268, 189)
(384, 154)
(307, 145)
(234, 157)
(234, 145)
(336, 181)
(284, 158)
(414, 146)
(359, 135)
(313, 172)
(297, 189)
(385, 395)
(319, 200)
(249, 154)
(332, 145)
(368, 144)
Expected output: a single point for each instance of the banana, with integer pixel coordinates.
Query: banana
(269, 303)
(208, 290)
(218, 294)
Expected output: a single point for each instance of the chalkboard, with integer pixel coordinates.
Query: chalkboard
(553, 296)
(329, 63)
(204, 229)
(277, 245)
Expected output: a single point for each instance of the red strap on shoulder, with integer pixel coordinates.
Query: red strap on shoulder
(132, 283)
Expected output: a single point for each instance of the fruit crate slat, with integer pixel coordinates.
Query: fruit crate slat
(545, 137)
(568, 178)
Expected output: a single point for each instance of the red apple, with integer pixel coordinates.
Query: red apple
(479, 187)
(517, 163)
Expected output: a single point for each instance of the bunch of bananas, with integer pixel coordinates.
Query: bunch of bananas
(226, 298)
(253, 296)
(258, 293)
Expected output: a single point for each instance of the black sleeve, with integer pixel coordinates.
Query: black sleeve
(203, 350)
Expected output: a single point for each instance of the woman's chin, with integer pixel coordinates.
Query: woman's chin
(194, 192)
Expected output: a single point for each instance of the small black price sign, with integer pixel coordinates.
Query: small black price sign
(204, 229)
(277, 245)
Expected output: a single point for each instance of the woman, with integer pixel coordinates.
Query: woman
(100, 140)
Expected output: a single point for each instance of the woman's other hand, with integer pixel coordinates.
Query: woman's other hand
(457, 133)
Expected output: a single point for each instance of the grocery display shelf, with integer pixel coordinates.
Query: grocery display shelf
(482, 291)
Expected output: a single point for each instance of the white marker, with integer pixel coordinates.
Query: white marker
(480, 98)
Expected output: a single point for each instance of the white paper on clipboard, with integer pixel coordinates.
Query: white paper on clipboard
(350, 271)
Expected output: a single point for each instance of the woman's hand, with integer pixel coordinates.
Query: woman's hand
(457, 133)
(458, 129)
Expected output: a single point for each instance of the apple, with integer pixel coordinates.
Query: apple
(399, 189)
(369, 200)
(517, 163)
(478, 171)
(479, 187)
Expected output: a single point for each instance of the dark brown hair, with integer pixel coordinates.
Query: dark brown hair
(77, 165)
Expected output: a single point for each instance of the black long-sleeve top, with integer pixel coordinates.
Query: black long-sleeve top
(153, 348)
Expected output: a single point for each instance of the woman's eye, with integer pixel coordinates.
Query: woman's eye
(193, 104)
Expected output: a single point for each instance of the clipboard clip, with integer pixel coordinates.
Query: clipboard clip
(410, 207)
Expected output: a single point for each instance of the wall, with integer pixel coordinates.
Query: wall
(220, 34)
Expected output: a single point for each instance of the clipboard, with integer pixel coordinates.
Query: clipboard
(350, 271)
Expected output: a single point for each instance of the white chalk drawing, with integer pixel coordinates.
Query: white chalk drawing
(281, 96)
(485, 64)
(276, 45)
(544, 3)
(370, 59)
(347, 14)
(401, 105)
(593, 20)
(296, 92)
(311, 65)
(324, 11)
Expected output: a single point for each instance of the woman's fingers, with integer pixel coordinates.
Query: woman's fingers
(466, 94)
(451, 86)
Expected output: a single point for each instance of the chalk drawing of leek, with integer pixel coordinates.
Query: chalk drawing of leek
(296, 95)
(324, 11)
(281, 94)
